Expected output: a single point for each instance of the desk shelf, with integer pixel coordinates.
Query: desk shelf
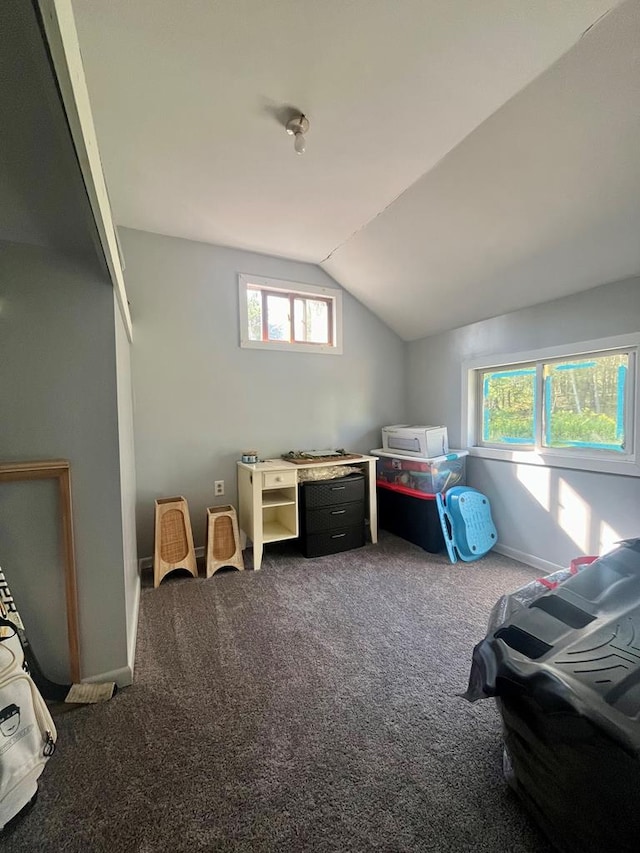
(274, 531)
(279, 521)
(278, 497)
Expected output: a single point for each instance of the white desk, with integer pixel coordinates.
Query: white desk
(268, 499)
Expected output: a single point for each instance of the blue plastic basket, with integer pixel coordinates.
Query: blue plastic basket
(468, 529)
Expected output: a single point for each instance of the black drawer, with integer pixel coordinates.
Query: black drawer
(333, 541)
(329, 518)
(331, 492)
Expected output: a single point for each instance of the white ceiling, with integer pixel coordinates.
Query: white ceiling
(447, 178)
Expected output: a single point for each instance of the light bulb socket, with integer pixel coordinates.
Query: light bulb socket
(298, 124)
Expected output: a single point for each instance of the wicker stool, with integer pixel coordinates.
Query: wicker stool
(223, 539)
(173, 539)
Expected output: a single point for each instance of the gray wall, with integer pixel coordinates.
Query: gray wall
(43, 200)
(550, 513)
(58, 386)
(200, 399)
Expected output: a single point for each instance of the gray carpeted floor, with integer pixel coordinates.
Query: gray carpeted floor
(311, 706)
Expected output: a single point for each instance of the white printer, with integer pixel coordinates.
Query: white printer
(425, 441)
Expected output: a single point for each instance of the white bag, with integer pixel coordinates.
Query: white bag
(27, 732)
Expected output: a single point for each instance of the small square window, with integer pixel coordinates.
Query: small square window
(285, 315)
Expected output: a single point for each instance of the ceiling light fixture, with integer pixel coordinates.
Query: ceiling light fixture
(297, 127)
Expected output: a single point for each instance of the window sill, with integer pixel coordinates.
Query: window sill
(285, 346)
(622, 467)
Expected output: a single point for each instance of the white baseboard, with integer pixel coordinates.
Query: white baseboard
(545, 566)
(123, 677)
(145, 563)
(528, 559)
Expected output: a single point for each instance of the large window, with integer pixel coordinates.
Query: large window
(580, 405)
(283, 315)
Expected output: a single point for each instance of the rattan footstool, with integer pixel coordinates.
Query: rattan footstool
(173, 539)
(223, 539)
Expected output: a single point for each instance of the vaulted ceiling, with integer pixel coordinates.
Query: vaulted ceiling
(464, 159)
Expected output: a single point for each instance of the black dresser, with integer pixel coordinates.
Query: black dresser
(332, 515)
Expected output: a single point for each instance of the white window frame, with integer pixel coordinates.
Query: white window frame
(290, 287)
(583, 459)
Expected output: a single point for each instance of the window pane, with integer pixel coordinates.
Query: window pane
(311, 320)
(508, 404)
(298, 320)
(254, 311)
(584, 402)
(279, 326)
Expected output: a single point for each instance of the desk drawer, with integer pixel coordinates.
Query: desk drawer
(334, 541)
(278, 479)
(329, 518)
(331, 492)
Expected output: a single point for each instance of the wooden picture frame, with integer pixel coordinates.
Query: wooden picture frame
(59, 470)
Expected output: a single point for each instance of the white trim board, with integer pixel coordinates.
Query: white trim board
(131, 656)
(545, 566)
(528, 559)
(62, 38)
